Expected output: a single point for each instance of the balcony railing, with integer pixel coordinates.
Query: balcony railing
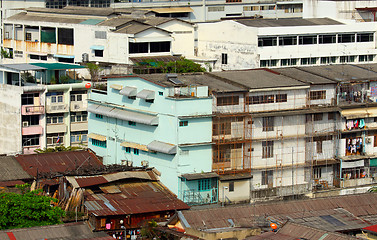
(54, 108)
(32, 110)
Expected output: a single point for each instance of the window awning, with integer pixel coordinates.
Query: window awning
(353, 164)
(196, 176)
(135, 145)
(146, 94)
(129, 91)
(373, 162)
(124, 114)
(359, 113)
(116, 86)
(97, 137)
(162, 147)
(97, 47)
(63, 56)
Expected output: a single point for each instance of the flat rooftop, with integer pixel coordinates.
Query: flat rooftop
(288, 22)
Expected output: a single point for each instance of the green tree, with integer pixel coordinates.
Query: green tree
(28, 209)
(181, 66)
(94, 71)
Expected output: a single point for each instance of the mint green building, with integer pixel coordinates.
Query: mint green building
(157, 121)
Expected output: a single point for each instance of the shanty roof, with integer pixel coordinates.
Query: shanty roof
(85, 181)
(171, 10)
(237, 176)
(341, 73)
(195, 176)
(11, 170)
(258, 79)
(57, 162)
(75, 10)
(132, 198)
(293, 231)
(288, 22)
(37, 17)
(68, 231)
(199, 79)
(333, 213)
(304, 76)
(134, 28)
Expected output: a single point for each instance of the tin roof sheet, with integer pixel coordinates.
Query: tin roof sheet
(11, 170)
(134, 198)
(57, 162)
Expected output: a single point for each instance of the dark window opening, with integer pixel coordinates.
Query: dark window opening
(267, 41)
(160, 47)
(138, 47)
(324, 39)
(224, 58)
(98, 53)
(365, 37)
(346, 38)
(65, 36)
(305, 40)
(291, 40)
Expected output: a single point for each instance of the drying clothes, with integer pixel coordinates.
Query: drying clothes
(356, 124)
(362, 123)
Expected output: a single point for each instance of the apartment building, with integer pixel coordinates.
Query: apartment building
(106, 36)
(255, 43)
(40, 113)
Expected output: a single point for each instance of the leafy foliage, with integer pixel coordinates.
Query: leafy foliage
(28, 209)
(181, 66)
(5, 54)
(94, 71)
(60, 148)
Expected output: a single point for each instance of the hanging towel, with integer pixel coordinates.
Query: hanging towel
(362, 123)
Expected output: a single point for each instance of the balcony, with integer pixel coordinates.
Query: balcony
(57, 108)
(32, 110)
(78, 106)
(32, 130)
(30, 149)
(79, 126)
(56, 128)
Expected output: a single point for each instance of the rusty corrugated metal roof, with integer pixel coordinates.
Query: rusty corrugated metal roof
(353, 207)
(134, 198)
(293, 231)
(57, 162)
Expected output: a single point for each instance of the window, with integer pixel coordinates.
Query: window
(317, 172)
(281, 98)
(149, 100)
(318, 116)
(204, 184)
(364, 37)
(99, 116)
(224, 58)
(267, 149)
(28, 36)
(55, 119)
(346, 38)
(317, 95)
(138, 47)
(269, 63)
(55, 138)
(55, 97)
(79, 137)
(99, 143)
(261, 99)
(136, 151)
(216, 9)
(268, 124)
(128, 150)
(331, 116)
(30, 140)
(131, 123)
(267, 177)
(100, 34)
(65, 36)
(159, 47)
(325, 39)
(183, 123)
(161, 93)
(327, 60)
(222, 153)
(231, 186)
(98, 53)
(230, 100)
(221, 126)
(28, 98)
(288, 62)
(76, 98)
(267, 41)
(30, 119)
(366, 58)
(310, 39)
(289, 40)
(309, 60)
(79, 117)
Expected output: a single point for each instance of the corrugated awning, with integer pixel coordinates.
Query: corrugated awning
(116, 86)
(172, 10)
(146, 94)
(97, 137)
(129, 91)
(353, 164)
(135, 145)
(359, 113)
(162, 147)
(196, 176)
(123, 114)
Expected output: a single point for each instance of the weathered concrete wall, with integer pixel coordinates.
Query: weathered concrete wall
(10, 119)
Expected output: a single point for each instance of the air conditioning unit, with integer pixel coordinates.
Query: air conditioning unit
(76, 106)
(25, 124)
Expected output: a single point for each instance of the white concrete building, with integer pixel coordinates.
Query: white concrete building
(104, 36)
(247, 44)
